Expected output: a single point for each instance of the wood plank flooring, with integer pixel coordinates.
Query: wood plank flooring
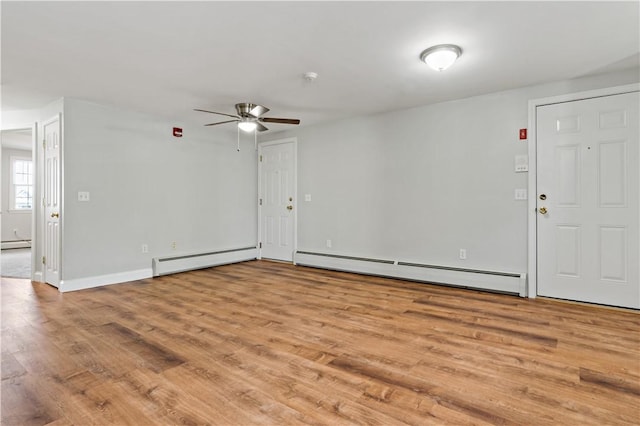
(269, 343)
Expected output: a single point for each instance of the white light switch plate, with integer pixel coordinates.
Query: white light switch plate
(522, 163)
(83, 196)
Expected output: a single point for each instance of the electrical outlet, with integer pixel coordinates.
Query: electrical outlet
(520, 194)
(329, 243)
(463, 254)
(174, 245)
(145, 248)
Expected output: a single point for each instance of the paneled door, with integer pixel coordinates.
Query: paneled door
(277, 204)
(587, 202)
(52, 201)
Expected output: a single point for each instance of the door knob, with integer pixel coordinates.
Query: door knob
(289, 207)
(55, 215)
(542, 210)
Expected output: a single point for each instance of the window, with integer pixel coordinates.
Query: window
(21, 183)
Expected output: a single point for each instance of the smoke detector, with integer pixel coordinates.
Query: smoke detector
(310, 76)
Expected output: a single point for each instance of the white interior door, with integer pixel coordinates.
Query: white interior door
(277, 164)
(587, 202)
(52, 201)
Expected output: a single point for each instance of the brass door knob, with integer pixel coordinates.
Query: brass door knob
(55, 215)
(542, 210)
(289, 207)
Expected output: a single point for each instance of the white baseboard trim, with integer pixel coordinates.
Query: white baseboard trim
(506, 282)
(101, 280)
(37, 277)
(189, 262)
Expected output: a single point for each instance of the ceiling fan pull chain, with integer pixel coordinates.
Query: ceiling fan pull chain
(238, 139)
(255, 138)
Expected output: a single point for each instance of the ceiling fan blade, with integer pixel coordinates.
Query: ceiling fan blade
(280, 120)
(260, 127)
(219, 113)
(221, 122)
(258, 110)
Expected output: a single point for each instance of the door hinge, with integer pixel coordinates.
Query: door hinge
(44, 260)
(261, 158)
(260, 201)
(44, 144)
(260, 244)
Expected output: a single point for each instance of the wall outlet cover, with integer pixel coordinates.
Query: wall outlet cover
(520, 194)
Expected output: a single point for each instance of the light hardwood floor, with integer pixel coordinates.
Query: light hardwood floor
(269, 343)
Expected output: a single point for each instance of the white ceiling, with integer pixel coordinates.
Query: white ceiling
(166, 58)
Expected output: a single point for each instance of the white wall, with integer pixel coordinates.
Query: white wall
(418, 185)
(148, 187)
(413, 185)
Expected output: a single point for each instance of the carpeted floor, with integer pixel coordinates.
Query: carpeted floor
(16, 263)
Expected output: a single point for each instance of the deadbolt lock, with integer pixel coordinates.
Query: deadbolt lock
(543, 196)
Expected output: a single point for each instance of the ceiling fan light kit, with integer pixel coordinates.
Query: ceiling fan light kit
(247, 126)
(441, 57)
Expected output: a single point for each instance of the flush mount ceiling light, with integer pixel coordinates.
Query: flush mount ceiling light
(441, 57)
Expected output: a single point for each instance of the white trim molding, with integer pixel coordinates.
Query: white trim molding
(102, 280)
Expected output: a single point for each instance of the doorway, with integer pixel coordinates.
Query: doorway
(277, 211)
(18, 195)
(586, 202)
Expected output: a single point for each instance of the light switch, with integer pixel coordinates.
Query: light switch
(307, 197)
(83, 196)
(521, 194)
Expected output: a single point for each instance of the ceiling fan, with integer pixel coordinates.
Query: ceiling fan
(249, 117)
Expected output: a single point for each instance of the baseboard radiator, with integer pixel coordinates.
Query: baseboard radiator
(16, 244)
(504, 282)
(188, 262)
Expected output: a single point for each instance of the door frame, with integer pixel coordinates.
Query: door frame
(36, 211)
(35, 275)
(294, 141)
(532, 227)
